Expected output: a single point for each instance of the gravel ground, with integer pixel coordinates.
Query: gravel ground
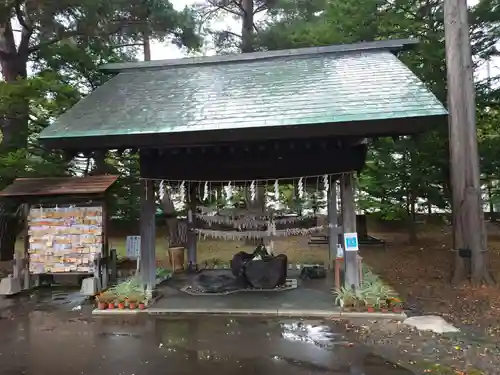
(427, 352)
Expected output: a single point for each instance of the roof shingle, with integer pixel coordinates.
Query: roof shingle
(306, 90)
(52, 186)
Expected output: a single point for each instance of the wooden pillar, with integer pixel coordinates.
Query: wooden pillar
(333, 238)
(349, 226)
(192, 238)
(148, 234)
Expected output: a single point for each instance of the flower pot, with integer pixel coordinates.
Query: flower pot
(132, 305)
(384, 310)
(142, 306)
(102, 305)
(371, 309)
(121, 305)
(111, 305)
(397, 309)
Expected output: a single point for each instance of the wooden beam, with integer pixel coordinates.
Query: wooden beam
(240, 166)
(148, 235)
(349, 226)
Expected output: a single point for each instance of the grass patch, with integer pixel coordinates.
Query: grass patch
(295, 248)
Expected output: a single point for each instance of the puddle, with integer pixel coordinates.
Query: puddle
(48, 342)
(282, 346)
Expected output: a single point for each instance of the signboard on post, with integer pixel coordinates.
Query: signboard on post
(133, 246)
(351, 242)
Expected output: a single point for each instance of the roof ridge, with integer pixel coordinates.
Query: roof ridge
(393, 45)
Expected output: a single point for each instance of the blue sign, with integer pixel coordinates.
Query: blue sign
(351, 242)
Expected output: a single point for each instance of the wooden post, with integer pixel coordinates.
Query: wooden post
(105, 245)
(148, 234)
(26, 245)
(469, 234)
(192, 238)
(349, 226)
(333, 237)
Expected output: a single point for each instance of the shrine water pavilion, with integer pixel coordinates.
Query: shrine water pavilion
(256, 116)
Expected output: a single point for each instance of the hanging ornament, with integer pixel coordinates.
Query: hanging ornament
(182, 192)
(162, 190)
(300, 188)
(326, 187)
(229, 191)
(253, 192)
(205, 191)
(276, 190)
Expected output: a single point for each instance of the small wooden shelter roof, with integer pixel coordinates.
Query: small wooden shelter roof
(57, 186)
(344, 90)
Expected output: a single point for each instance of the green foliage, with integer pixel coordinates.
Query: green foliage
(406, 175)
(64, 42)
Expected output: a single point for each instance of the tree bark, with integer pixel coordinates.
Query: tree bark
(468, 218)
(412, 194)
(13, 126)
(490, 201)
(247, 26)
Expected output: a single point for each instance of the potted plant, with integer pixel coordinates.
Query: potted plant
(133, 300)
(346, 298)
(109, 298)
(102, 301)
(386, 295)
(383, 306)
(141, 301)
(121, 302)
(396, 305)
(371, 302)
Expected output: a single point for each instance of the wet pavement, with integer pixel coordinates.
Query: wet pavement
(51, 332)
(310, 294)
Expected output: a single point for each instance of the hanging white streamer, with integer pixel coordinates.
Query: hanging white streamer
(162, 189)
(182, 192)
(229, 191)
(326, 187)
(253, 193)
(300, 187)
(276, 190)
(205, 191)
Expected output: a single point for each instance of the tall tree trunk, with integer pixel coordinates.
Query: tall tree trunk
(13, 126)
(412, 194)
(247, 26)
(146, 46)
(490, 201)
(468, 218)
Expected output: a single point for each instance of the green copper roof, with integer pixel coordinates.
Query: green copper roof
(307, 90)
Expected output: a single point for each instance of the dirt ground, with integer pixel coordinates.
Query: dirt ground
(421, 274)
